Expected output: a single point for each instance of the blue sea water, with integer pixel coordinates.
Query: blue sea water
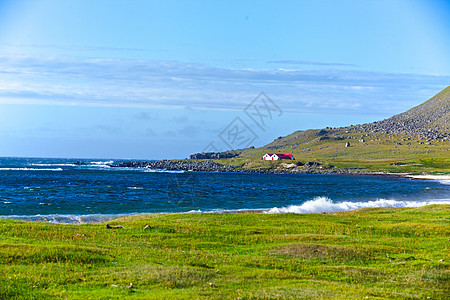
(57, 190)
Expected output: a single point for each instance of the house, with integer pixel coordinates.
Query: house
(277, 156)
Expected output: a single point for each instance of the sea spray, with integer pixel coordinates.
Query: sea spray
(67, 219)
(32, 169)
(324, 204)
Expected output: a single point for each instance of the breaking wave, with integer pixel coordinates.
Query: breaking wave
(163, 171)
(108, 162)
(31, 169)
(67, 219)
(324, 204)
(101, 164)
(53, 165)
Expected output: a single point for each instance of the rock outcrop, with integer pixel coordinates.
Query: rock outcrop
(178, 165)
(429, 120)
(215, 155)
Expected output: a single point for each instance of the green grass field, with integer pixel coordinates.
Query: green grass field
(364, 254)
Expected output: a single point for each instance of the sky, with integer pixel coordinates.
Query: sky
(142, 79)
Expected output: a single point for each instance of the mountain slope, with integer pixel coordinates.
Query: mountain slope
(430, 119)
(417, 140)
(427, 121)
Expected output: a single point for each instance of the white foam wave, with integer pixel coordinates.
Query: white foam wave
(324, 204)
(102, 163)
(66, 219)
(164, 171)
(135, 188)
(96, 164)
(53, 165)
(446, 182)
(31, 169)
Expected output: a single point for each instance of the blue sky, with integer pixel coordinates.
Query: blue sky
(163, 79)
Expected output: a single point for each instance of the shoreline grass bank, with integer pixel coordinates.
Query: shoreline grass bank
(374, 253)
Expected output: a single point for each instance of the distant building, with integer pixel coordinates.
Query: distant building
(277, 156)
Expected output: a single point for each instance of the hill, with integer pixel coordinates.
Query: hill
(416, 141)
(430, 119)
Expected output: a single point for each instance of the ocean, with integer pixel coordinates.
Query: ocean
(57, 190)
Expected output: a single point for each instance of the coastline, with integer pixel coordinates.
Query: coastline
(319, 205)
(429, 177)
(213, 166)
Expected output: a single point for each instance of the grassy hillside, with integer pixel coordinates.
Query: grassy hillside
(369, 253)
(415, 141)
(367, 152)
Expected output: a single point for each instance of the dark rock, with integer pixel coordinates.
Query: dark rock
(179, 165)
(312, 164)
(323, 138)
(215, 155)
(322, 132)
(397, 164)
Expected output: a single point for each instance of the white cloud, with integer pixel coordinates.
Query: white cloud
(167, 84)
(310, 63)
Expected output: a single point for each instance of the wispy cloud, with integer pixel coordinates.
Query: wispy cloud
(71, 47)
(310, 63)
(167, 84)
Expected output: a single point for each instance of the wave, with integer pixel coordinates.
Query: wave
(446, 182)
(93, 164)
(67, 219)
(53, 165)
(164, 171)
(31, 169)
(135, 169)
(324, 204)
(318, 205)
(102, 163)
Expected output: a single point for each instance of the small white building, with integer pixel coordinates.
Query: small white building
(277, 156)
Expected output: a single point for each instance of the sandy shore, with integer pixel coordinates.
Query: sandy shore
(434, 177)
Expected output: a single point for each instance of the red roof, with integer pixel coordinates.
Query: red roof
(283, 155)
(280, 154)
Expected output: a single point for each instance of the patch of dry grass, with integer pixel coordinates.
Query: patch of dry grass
(322, 252)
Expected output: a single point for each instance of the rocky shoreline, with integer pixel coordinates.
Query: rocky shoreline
(178, 165)
(212, 166)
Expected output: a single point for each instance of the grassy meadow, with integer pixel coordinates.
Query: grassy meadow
(368, 152)
(398, 253)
